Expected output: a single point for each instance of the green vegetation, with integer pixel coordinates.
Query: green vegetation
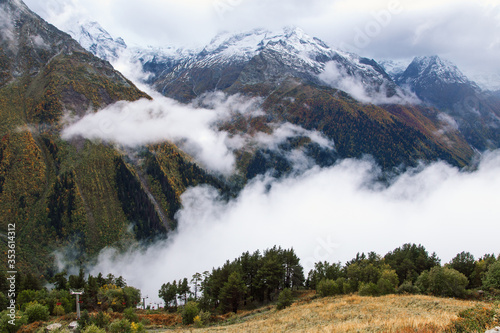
(442, 281)
(285, 299)
(189, 312)
(492, 276)
(254, 280)
(393, 135)
(37, 312)
(476, 319)
(262, 280)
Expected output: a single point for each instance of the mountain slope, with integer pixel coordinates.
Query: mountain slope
(78, 195)
(441, 84)
(395, 135)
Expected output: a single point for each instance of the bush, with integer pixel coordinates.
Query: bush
(101, 319)
(120, 326)
(130, 314)
(385, 287)
(476, 319)
(442, 281)
(492, 276)
(59, 311)
(342, 285)
(198, 323)
(189, 311)
(285, 299)
(137, 328)
(37, 312)
(368, 289)
(202, 319)
(327, 287)
(5, 326)
(84, 320)
(407, 287)
(93, 329)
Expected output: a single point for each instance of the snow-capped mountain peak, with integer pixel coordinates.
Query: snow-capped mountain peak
(262, 56)
(424, 67)
(245, 45)
(92, 36)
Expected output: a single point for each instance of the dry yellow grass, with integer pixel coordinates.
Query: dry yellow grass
(353, 313)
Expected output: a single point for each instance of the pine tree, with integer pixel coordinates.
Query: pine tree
(233, 292)
(196, 281)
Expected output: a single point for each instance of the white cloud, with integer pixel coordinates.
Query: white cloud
(285, 131)
(338, 78)
(324, 214)
(192, 127)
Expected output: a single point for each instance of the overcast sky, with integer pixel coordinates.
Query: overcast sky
(464, 31)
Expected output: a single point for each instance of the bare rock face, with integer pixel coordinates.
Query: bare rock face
(53, 327)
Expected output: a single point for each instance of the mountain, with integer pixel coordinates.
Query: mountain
(83, 196)
(93, 37)
(303, 81)
(441, 84)
(231, 62)
(436, 81)
(79, 195)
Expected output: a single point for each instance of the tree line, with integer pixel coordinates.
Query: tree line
(255, 279)
(100, 292)
(249, 280)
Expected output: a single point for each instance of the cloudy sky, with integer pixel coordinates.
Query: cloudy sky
(464, 31)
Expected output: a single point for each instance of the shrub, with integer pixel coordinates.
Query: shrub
(19, 321)
(130, 314)
(391, 277)
(120, 326)
(101, 319)
(492, 277)
(189, 311)
(84, 320)
(327, 287)
(137, 328)
(285, 299)
(368, 289)
(342, 285)
(202, 319)
(198, 323)
(93, 329)
(407, 287)
(442, 281)
(475, 319)
(37, 312)
(385, 287)
(59, 311)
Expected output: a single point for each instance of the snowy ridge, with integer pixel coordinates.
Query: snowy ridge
(96, 40)
(288, 52)
(433, 68)
(293, 45)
